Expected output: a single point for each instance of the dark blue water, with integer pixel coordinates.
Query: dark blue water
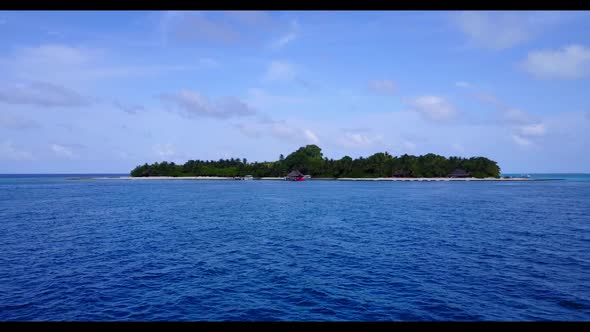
(305, 251)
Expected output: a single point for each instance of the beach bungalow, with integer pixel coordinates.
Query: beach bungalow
(295, 175)
(459, 173)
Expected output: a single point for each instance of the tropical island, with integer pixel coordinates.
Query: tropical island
(310, 160)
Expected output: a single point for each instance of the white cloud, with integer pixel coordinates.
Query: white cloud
(249, 130)
(167, 152)
(286, 132)
(458, 147)
(193, 103)
(311, 136)
(358, 139)
(520, 140)
(502, 30)
(221, 28)
(537, 129)
(489, 98)
(196, 26)
(515, 116)
(259, 98)
(283, 131)
(434, 108)
(61, 150)
(57, 55)
(280, 71)
(462, 84)
(383, 86)
(78, 65)
(129, 108)
(278, 129)
(163, 150)
(288, 37)
(525, 129)
(409, 145)
(525, 135)
(284, 40)
(11, 122)
(570, 62)
(250, 17)
(42, 94)
(167, 23)
(10, 152)
(138, 71)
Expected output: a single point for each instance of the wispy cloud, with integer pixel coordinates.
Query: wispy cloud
(163, 150)
(265, 125)
(523, 135)
(129, 108)
(462, 84)
(524, 127)
(10, 152)
(536, 129)
(434, 108)
(192, 103)
(283, 131)
(408, 145)
(280, 71)
(520, 140)
(217, 28)
(514, 116)
(358, 139)
(197, 26)
(458, 147)
(310, 136)
(502, 30)
(260, 98)
(387, 87)
(249, 130)
(168, 152)
(17, 123)
(287, 37)
(570, 62)
(42, 94)
(250, 17)
(61, 63)
(61, 150)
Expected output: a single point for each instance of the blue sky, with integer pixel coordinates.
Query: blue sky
(106, 91)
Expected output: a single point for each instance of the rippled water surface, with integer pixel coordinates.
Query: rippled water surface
(304, 251)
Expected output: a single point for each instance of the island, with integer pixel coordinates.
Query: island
(309, 160)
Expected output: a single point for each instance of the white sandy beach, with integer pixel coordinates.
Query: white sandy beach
(340, 179)
(433, 179)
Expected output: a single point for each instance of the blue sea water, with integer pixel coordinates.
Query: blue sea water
(96, 250)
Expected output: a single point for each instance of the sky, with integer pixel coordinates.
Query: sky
(103, 92)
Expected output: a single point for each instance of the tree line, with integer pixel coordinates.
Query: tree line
(310, 160)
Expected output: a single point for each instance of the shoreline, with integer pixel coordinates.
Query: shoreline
(317, 179)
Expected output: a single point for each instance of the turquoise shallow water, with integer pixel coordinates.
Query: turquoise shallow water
(555, 176)
(297, 251)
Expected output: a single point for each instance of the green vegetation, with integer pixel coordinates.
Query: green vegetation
(310, 160)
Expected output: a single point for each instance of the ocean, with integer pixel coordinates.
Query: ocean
(116, 250)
